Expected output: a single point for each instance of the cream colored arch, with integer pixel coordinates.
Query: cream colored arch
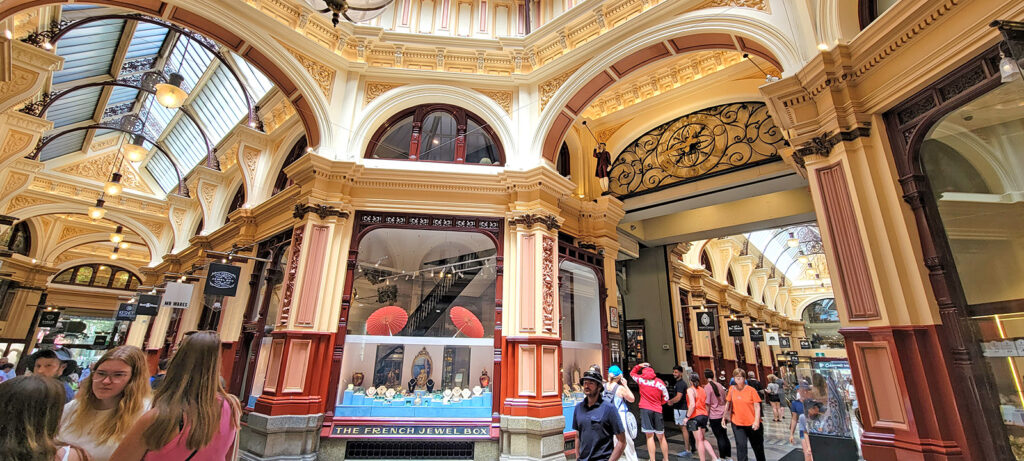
(152, 241)
(229, 193)
(265, 189)
(800, 308)
(404, 97)
(85, 239)
(705, 21)
(981, 155)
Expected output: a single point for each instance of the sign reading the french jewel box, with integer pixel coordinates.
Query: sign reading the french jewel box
(412, 431)
(1005, 348)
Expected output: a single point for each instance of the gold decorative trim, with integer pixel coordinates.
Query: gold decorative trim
(321, 73)
(98, 168)
(375, 89)
(502, 97)
(22, 201)
(551, 86)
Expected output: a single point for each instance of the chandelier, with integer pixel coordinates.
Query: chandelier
(352, 10)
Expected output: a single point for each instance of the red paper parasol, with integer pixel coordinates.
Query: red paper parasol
(466, 322)
(386, 320)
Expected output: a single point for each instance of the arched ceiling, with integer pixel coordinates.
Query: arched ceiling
(124, 49)
(774, 245)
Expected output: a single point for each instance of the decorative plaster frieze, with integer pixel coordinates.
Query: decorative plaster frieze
(98, 168)
(319, 209)
(528, 220)
(375, 89)
(322, 74)
(822, 145)
(503, 98)
(549, 87)
(547, 274)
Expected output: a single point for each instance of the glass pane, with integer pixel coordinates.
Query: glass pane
(134, 283)
(395, 142)
(443, 281)
(120, 279)
(102, 276)
(437, 142)
(480, 148)
(972, 159)
(84, 275)
(64, 277)
(821, 325)
(579, 293)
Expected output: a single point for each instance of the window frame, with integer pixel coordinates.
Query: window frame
(114, 270)
(418, 114)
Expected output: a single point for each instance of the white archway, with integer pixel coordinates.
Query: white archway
(151, 240)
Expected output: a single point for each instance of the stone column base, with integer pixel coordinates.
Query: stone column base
(266, 438)
(534, 439)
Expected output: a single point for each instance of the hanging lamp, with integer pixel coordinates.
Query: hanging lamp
(134, 150)
(170, 94)
(118, 235)
(352, 10)
(97, 212)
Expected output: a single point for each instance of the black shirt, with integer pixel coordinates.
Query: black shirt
(680, 388)
(596, 428)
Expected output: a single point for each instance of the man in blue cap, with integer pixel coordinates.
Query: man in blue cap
(596, 423)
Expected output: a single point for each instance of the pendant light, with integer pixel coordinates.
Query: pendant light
(124, 245)
(134, 151)
(793, 242)
(118, 235)
(1008, 68)
(170, 94)
(352, 10)
(97, 212)
(802, 258)
(113, 187)
(113, 255)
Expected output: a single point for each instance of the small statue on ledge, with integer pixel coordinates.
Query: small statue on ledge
(484, 379)
(604, 163)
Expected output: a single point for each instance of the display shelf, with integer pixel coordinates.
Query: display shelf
(568, 411)
(359, 405)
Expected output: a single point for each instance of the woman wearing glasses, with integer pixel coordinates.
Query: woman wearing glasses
(108, 403)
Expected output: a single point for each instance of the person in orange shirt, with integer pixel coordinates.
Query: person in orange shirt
(697, 417)
(743, 409)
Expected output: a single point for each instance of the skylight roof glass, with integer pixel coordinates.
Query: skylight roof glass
(63, 145)
(88, 51)
(220, 105)
(160, 167)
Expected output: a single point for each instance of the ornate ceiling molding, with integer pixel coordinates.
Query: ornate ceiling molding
(502, 97)
(98, 168)
(375, 89)
(322, 74)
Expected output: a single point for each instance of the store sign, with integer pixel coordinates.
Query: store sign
(177, 295)
(125, 311)
(784, 342)
(792, 353)
(1004, 348)
(735, 328)
(436, 432)
(772, 338)
(148, 305)
(100, 340)
(706, 321)
(222, 279)
(805, 344)
(49, 319)
(756, 335)
(794, 360)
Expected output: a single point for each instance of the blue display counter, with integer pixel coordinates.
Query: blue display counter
(568, 410)
(360, 406)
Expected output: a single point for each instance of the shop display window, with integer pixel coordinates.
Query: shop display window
(579, 295)
(821, 325)
(420, 330)
(971, 157)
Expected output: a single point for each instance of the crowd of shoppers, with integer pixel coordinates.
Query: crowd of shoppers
(114, 415)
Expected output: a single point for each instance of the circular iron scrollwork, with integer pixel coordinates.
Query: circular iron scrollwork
(697, 145)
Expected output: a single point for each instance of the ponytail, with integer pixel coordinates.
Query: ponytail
(710, 375)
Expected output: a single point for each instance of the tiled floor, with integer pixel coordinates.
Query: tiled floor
(776, 442)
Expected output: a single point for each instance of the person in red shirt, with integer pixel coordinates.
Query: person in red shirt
(653, 394)
(743, 409)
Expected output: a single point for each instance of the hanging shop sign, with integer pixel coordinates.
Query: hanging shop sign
(772, 338)
(433, 432)
(177, 295)
(756, 335)
(706, 321)
(735, 328)
(49, 319)
(805, 344)
(784, 342)
(125, 311)
(100, 340)
(222, 279)
(792, 353)
(148, 305)
(794, 360)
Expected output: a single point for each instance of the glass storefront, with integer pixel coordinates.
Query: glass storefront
(85, 337)
(420, 333)
(579, 294)
(821, 325)
(973, 160)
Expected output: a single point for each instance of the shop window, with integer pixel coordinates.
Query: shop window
(298, 150)
(99, 276)
(420, 325)
(821, 325)
(17, 238)
(579, 295)
(436, 133)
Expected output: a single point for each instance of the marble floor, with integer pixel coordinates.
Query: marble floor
(776, 443)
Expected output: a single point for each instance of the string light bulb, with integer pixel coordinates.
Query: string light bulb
(124, 245)
(113, 255)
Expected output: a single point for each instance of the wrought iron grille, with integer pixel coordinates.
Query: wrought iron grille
(698, 145)
(372, 449)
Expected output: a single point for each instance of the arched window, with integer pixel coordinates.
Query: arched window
(705, 260)
(436, 133)
(564, 163)
(298, 150)
(730, 279)
(98, 276)
(17, 238)
(199, 227)
(236, 202)
(821, 325)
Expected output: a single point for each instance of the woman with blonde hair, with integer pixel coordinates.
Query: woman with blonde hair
(30, 410)
(193, 417)
(108, 403)
(773, 394)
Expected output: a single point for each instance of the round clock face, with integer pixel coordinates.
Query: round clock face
(683, 150)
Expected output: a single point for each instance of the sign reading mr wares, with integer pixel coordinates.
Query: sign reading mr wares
(735, 328)
(705, 321)
(222, 279)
